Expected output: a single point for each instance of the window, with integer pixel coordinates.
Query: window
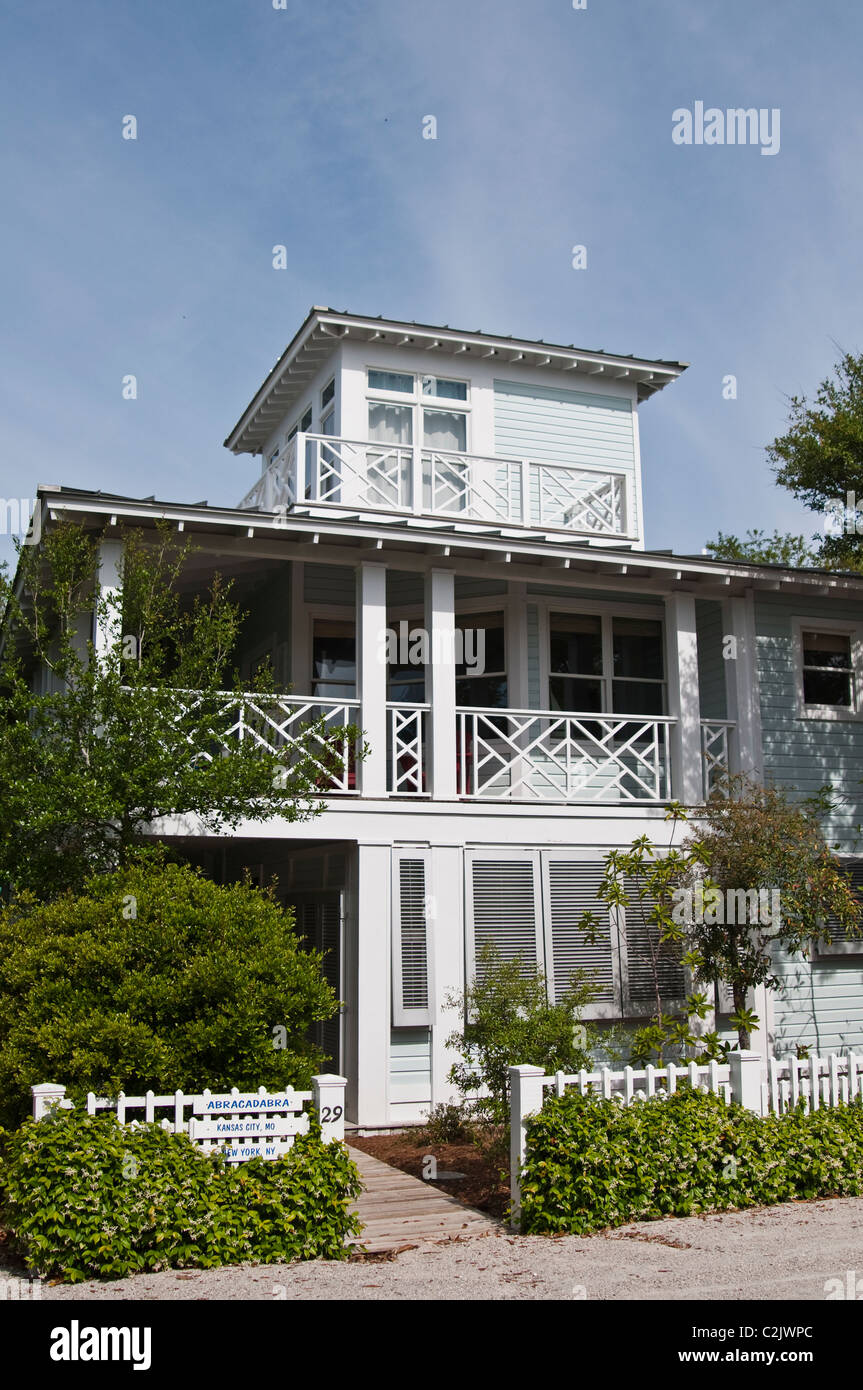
(334, 659)
(434, 428)
(839, 944)
(328, 393)
(481, 677)
(447, 390)
(828, 657)
(828, 678)
(391, 381)
(406, 683)
(304, 423)
(603, 663)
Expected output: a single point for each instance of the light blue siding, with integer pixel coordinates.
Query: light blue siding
(820, 1004)
(553, 425)
(410, 1065)
(466, 587)
(334, 584)
(711, 667)
(533, 678)
(800, 752)
(404, 587)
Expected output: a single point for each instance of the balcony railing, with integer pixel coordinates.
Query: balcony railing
(543, 755)
(501, 754)
(324, 471)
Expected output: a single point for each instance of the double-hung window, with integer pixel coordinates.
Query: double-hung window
(829, 657)
(404, 409)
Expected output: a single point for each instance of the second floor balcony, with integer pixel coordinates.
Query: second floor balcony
(325, 472)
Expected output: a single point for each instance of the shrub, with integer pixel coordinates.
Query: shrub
(446, 1124)
(85, 1197)
(155, 977)
(509, 1020)
(592, 1163)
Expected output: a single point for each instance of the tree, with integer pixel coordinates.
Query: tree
(155, 977)
(755, 841)
(508, 1020)
(819, 459)
(133, 727)
(759, 549)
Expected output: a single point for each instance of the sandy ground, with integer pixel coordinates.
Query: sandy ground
(785, 1252)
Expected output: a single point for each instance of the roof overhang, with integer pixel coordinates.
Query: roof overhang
(324, 328)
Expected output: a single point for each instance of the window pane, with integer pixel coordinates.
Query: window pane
(306, 422)
(637, 648)
(334, 666)
(445, 429)
(575, 696)
(390, 424)
(481, 691)
(391, 381)
(637, 697)
(328, 392)
(482, 628)
(328, 426)
(827, 649)
(439, 386)
(576, 645)
(827, 688)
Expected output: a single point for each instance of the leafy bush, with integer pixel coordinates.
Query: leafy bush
(592, 1163)
(446, 1124)
(155, 977)
(86, 1197)
(509, 1020)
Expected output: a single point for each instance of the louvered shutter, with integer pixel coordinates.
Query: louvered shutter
(840, 944)
(639, 932)
(410, 941)
(571, 887)
(319, 921)
(505, 907)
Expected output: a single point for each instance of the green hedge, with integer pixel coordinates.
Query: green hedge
(592, 1163)
(85, 1197)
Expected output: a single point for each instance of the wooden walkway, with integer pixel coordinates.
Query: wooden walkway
(397, 1209)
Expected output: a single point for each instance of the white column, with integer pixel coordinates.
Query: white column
(301, 635)
(372, 674)
(440, 681)
(516, 646)
(46, 1096)
(681, 645)
(108, 586)
(525, 1099)
(328, 1098)
(446, 956)
(746, 1079)
(741, 684)
(373, 966)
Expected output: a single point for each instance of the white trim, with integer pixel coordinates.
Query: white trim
(403, 1017)
(849, 629)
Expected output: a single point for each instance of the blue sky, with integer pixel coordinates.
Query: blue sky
(303, 127)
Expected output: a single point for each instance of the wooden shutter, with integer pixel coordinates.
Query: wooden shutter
(570, 889)
(319, 921)
(504, 907)
(410, 940)
(639, 988)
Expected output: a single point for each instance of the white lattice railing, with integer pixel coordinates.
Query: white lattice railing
(280, 724)
(714, 751)
(324, 470)
(530, 755)
(407, 726)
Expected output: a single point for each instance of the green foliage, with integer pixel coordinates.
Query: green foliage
(155, 977)
(819, 459)
(593, 1163)
(85, 1197)
(446, 1124)
(794, 552)
(509, 1021)
(125, 735)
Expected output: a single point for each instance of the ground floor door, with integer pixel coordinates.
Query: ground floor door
(320, 919)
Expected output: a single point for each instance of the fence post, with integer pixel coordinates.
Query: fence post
(328, 1096)
(746, 1079)
(46, 1096)
(525, 1099)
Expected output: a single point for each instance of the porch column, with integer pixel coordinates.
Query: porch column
(108, 586)
(440, 681)
(741, 684)
(445, 927)
(681, 644)
(372, 675)
(373, 975)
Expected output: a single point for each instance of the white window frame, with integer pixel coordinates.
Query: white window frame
(403, 1017)
(592, 608)
(493, 852)
(848, 946)
(416, 402)
(849, 629)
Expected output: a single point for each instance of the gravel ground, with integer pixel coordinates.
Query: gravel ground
(784, 1252)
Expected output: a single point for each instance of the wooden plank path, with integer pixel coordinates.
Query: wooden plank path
(397, 1209)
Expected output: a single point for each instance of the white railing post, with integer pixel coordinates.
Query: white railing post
(328, 1098)
(46, 1096)
(440, 682)
(302, 459)
(746, 1079)
(525, 1099)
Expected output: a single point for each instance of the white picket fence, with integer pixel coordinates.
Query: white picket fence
(767, 1089)
(240, 1124)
